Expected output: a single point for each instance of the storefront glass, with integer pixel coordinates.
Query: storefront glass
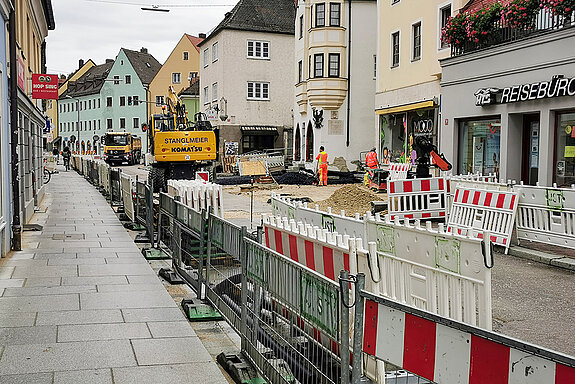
(399, 130)
(565, 167)
(479, 146)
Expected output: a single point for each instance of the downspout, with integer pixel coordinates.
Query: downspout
(348, 74)
(16, 223)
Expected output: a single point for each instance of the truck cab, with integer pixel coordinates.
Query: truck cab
(122, 147)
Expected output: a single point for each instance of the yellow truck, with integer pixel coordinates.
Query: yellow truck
(122, 147)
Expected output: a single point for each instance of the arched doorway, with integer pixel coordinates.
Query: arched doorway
(297, 144)
(309, 143)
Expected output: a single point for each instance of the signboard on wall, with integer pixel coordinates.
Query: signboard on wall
(44, 86)
(21, 74)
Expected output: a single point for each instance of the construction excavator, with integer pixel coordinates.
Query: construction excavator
(179, 147)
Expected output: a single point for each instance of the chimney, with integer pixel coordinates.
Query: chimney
(144, 50)
(202, 35)
(109, 61)
(80, 63)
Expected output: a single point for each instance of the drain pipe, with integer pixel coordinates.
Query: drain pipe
(348, 73)
(16, 223)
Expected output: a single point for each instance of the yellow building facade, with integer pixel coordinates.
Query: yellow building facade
(180, 68)
(408, 99)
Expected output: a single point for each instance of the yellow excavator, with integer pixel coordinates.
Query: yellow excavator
(178, 146)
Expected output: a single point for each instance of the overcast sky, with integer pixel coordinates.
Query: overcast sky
(97, 29)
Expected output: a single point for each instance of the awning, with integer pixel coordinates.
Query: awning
(406, 107)
(259, 130)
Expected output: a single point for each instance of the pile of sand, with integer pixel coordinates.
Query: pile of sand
(353, 198)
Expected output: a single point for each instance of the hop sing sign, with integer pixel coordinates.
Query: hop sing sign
(44, 86)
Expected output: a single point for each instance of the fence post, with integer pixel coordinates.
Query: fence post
(209, 246)
(244, 293)
(358, 330)
(343, 279)
(201, 288)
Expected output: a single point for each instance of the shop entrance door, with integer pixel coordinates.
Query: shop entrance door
(530, 160)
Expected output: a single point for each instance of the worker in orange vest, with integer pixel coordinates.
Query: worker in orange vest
(371, 159)
(322, 166)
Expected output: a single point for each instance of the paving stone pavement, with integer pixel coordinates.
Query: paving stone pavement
(80, 304)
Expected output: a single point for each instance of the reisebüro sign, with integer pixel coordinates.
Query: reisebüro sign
(557, 87)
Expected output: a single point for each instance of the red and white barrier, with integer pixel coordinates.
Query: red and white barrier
(398, 171)
(477, 211)
(455, 354)
(417, 198)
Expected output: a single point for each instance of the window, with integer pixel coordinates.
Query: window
(116, 80)
(214, 92)
(98, 103)
(214, 52)
(416, 36)
(258, 91)
(334, 14)
(108, 101)
(333, 65)
(89, 104)
(206, 57)
(130, 100)
(122, 101)
(122, 123)
(309, 76)
(176, 78)
(98, 124)
(159, 101)
(136, 100)
(206, 95)
(318, 65)
(109, 124)
(85, 105)
(301, 26)
(479, 146)
(300, 71)
(564, 143)
(136, 122)
(395, 49)
(320, 15)
(374, 66)
(128, 79)
(186, 55)
(192, 76)
(258, 49)
(444, 15)
(90, 125)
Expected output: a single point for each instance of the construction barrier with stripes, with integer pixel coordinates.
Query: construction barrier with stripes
(417, 198)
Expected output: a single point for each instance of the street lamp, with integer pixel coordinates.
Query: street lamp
(77, 121)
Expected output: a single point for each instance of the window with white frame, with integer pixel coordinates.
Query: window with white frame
(320, 15)
(444, 16)
(206, 57)
(258, 90)
(176, 78)
(136, 122)
(128, 79)
(116, 80)
(206, 95)
(395, 49)
(122, 101)
(215, 52)
(122, 123)
(318, 65)
(416, 41)
(109, 124)
(108, 101)
(333, 70)
(300, 71)
(214, 92)
(159, 101)
(334, 14)
(258, 49)
(301, 26)
(186, 55)
(374, 66)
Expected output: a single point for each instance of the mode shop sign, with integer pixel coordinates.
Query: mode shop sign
(557, 87)
(44, 86)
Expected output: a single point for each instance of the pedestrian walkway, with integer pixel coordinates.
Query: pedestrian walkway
(79, 303)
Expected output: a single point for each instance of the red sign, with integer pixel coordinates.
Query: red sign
(44, 86)
(21, 74)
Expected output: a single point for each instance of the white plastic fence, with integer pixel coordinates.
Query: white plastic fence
(398, 171)
(417, 198)
(429, 269)
(546, 215)
(198, 195)
(476, 211)
(333, 222)
(127, 188)
(473, 181)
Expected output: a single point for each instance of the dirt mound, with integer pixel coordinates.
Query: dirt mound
(353, 198)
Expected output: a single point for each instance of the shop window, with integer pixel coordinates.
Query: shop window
(479, 146)
(565, 166)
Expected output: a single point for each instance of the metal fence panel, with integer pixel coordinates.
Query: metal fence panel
(127, 187)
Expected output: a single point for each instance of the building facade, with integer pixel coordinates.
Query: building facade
(5, 187)
(246, 86)
(408, 96)
(335, 50)
(180, 68)
(510, 108)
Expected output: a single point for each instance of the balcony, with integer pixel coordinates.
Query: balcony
(545, 22)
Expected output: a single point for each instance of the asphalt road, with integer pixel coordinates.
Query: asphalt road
(532, 302)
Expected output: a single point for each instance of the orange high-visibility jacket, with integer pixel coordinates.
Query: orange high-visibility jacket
(322, 158)
(371, 160)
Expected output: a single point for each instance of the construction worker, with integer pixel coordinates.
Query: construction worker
(322, 166)
(371, 159)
